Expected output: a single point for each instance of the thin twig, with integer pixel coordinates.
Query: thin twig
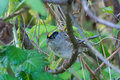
(26, 40)
(89, 38)
(83, 72)
(77, 76)
(116, 11)
(56, 1)
(107, 59)
(52, 13)
(88, 68)
(107, 23)
(93, 37)
(73, 40)
(16, 13)
(91, 47)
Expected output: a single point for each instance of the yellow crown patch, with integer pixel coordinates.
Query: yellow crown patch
(50, 34)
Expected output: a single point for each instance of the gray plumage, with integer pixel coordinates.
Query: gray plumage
(61, 45)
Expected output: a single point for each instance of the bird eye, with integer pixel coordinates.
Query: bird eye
(53, 37)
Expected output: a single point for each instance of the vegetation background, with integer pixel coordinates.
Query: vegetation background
(24, 24)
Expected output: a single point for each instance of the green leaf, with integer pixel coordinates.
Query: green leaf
(78, 69)
(43, 29)
(24, 76)
(37, 5)
(44, 76)
(54, 64)
(2, 70)
(104, 48)
(77, 65)
(3, 57)
(4, 61)
(20, 5)
(3, 6)
(34, 62)
(2, 49)
(115, 31)
(7, 77)
(15, 55)
(41, 35)
(50, 57)
(65, 76)
(90, 34)
(81, 74)
(12, 5)
(118, 23)
(108, 9)
(114, 75)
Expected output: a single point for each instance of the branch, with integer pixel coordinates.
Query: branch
(52, 13)
(26, 40)
(89, 38)
(93, 37)
(91, 47)
(88, 68)
(116, 19)
(107, 59)
(73, 40)
(56, 1)
(16, 13)
(116, 7)
(107, 23)
(10, 71)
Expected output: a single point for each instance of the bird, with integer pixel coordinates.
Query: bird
(60, 44)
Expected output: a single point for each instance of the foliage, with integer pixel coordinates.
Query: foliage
(3, 6)
(39, 34)
(27, 64)
(108, 9)
(109, 72)
(7, 77)
(31, 64)
(38, 6)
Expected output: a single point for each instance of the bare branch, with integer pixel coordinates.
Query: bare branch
(108, 59)
(73, 40)
(92, 37)
(53, 14)
(116, 19)
(16, 13)
(26, 40)
(116, 7)
(88, 68)
(107, 23)
(91, 47)
(56, 1)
